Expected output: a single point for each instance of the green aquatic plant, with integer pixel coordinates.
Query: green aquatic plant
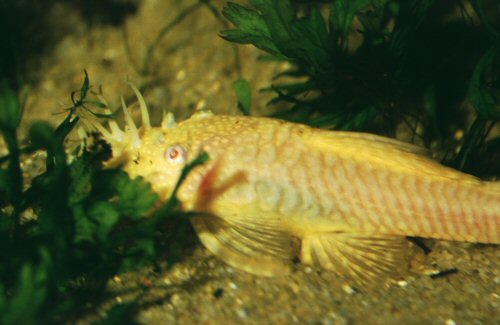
(63, 236)
(374, 65)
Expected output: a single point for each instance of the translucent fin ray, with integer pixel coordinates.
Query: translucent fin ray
(115, 129)
(267, 252)
(168, 120)
(364, 257)
(144, 108)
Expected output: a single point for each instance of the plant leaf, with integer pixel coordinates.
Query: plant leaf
(106, 216)
(252, 28)
(341, 17)
(243, 93)
(135, 196)
(480, 94)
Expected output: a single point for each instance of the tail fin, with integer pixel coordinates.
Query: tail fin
(491, 212)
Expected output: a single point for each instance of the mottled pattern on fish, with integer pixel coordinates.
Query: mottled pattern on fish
(275, 191)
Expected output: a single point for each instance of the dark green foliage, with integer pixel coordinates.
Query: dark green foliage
(481, 85)
(23, 33)
(243, 92)
(372, 65)
(90, 223)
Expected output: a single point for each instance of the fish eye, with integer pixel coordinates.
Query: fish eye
(176, 154)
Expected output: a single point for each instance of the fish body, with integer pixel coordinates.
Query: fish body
(273, 192)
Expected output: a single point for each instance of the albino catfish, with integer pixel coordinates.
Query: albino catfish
(275, 192)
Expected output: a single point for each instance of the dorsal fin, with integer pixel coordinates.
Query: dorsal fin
(380, 152)
(358, 140)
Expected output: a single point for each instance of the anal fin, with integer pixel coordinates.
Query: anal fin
(257, 248)
(363, 257)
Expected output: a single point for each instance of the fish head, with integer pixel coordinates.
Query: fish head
(157, 157)
(159, 154)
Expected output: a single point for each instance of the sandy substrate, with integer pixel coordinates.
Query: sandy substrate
(193, 67)
(202, 289)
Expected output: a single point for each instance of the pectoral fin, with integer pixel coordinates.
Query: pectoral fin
(259, 249)
(363, 257)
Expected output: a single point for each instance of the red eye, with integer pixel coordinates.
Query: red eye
(176, 154)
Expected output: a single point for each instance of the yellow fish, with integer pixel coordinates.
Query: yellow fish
(274, 193)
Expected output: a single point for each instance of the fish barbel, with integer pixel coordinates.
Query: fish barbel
(273, 192)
